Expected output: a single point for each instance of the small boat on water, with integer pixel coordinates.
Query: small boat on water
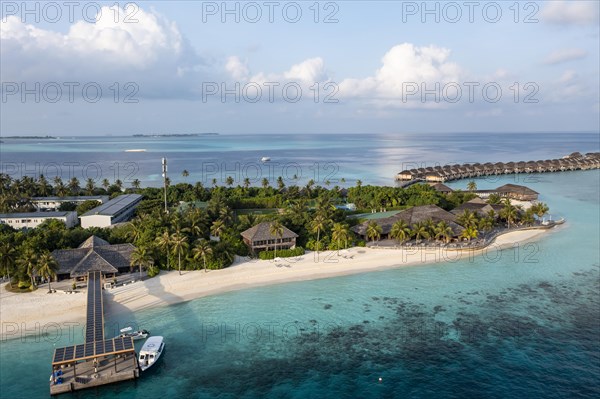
(136, 335)
(265, 159)
(136, 150)
(150, 352)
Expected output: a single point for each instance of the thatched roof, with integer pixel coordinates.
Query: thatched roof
(262, 232)
(94, 254)
(441, 187)
(515, 188)
(411, 216)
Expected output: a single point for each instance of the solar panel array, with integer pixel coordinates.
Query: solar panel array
(115, 205)
(95, 345)
(94, 327)
(93, 349)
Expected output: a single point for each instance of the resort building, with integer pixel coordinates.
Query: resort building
(511, 191)
(259, 238)
(94, 254)
(119, 209)
(478, 206)
(53, 203)
(30, 220)
(411, 216)
(442, 188)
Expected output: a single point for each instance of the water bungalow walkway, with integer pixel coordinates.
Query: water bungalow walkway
(440, 174)
(98, 361)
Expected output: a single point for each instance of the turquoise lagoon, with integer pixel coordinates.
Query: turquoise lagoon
(523, 322)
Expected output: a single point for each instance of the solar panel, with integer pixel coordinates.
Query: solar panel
(95, 345)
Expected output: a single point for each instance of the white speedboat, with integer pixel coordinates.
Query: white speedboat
(265, 159)
(150, 352)
(136, 335)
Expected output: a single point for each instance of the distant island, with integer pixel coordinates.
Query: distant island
(30, 137)
(176, 135)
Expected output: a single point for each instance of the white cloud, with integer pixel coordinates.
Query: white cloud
(151, 50)
(567, 76)
(309, 71)
(571, 12)
(403, 65)
(236, 68)
(564, 55)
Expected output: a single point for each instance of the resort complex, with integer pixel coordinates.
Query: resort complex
(263, 231)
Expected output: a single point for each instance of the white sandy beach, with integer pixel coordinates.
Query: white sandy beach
(33, 311)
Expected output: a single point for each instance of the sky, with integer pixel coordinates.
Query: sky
(305, 67)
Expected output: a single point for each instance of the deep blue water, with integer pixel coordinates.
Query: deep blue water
(522, 322)
(374, 159)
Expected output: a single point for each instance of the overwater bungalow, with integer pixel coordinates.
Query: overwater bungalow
(574, 161)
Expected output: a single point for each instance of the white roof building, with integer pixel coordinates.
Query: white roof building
(119, 209)
(52, 203)
(30, 220)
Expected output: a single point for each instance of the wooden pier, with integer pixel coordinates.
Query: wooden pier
(98, 361)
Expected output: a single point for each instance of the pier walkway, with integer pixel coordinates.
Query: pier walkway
(98, 361)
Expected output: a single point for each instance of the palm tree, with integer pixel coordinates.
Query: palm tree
(229, 181)
(29, 262)
(119, 184)
(471, 186)
(340, 232)
(276, 229)
(420, 230)
(136, 183)
(246, 182)
(7, 260)
(163, 241)
(443, 231)
(180, 244)
(400, 231)
(374, 231)
(265, 182)
(527, 219)
(358, 183)
(185, 173)
(217, 228)
(486, 223)
(44, 187)
(509, 213)
(280, 183)
(540, 209)
(74, 185)
(47, 267)
(90, 185)
(202, 249)
(469, 233)
(142, 258)
(318, 223)
(105, 183)
(467, 218)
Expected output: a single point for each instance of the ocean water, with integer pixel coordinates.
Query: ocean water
(522, 322)
(374, 159)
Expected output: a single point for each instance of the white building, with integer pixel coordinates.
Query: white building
(119, 209)
(52, 203)
(30, 220)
